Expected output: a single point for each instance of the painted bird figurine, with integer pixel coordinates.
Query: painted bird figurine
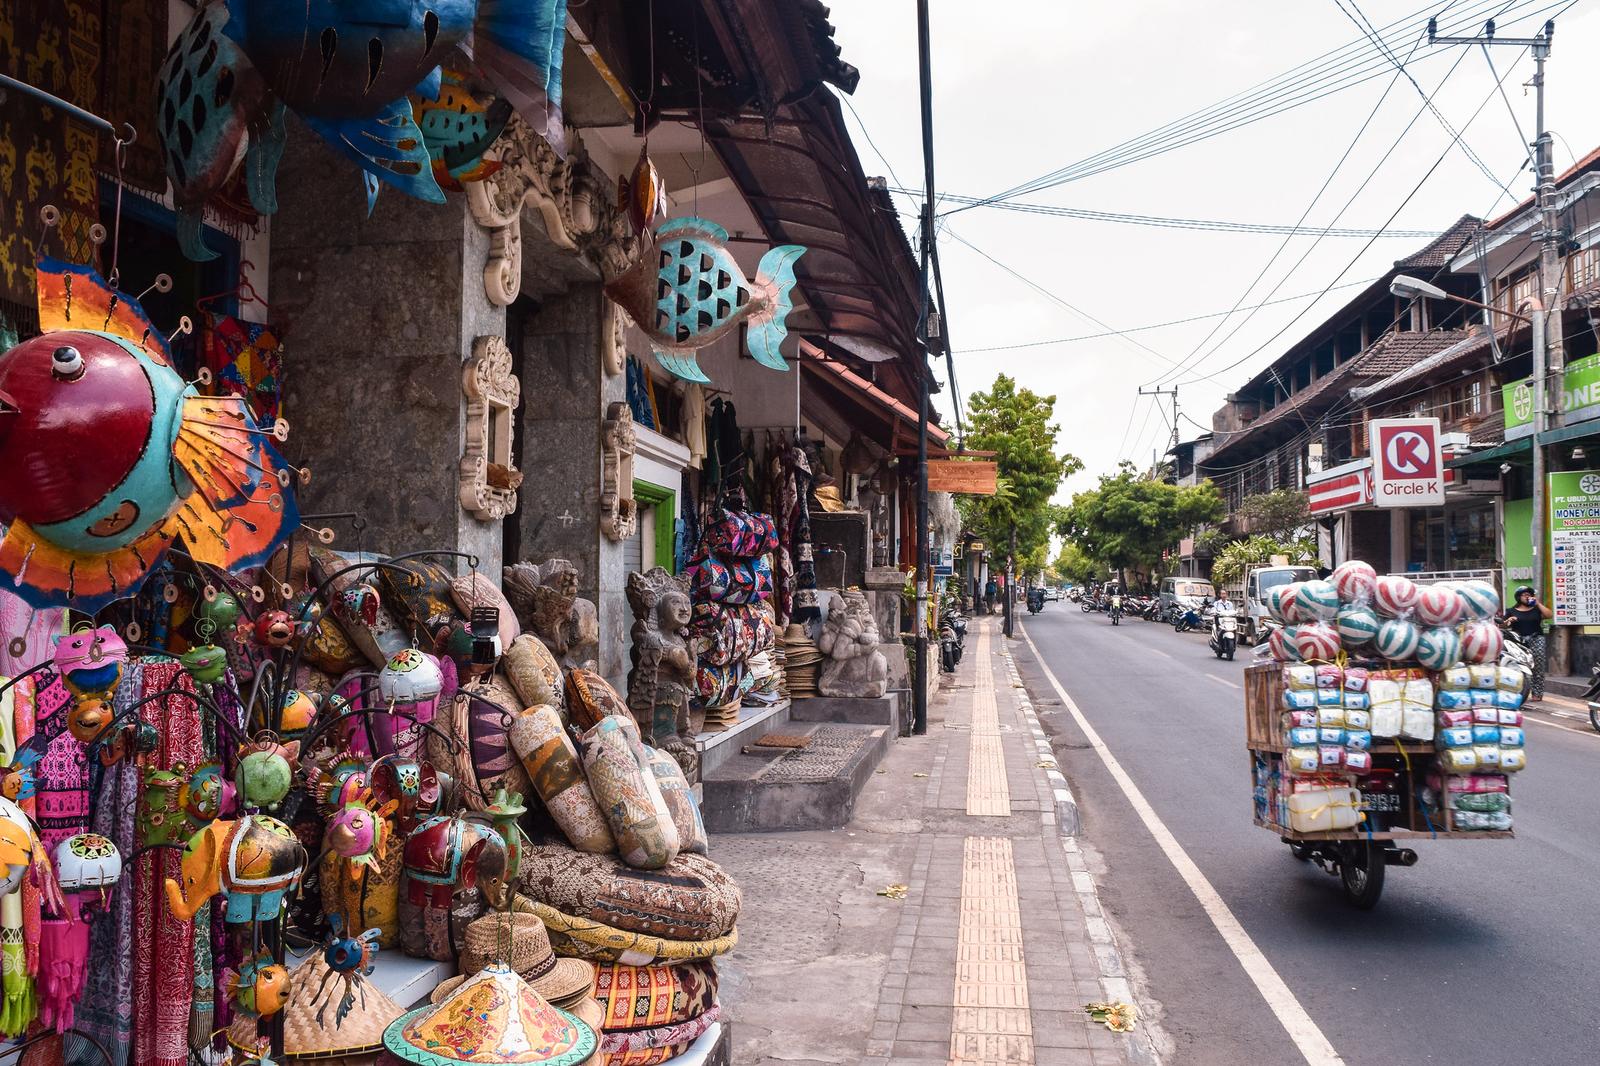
(107, 457)
(346, 67)
(686, 290)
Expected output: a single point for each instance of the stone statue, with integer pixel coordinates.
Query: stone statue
(853, 664)
(545, 600)
(661, 679)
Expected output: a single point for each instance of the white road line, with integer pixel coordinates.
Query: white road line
(1224, 680)
(1305, 1033)
(1158, 651)
(1526, 718)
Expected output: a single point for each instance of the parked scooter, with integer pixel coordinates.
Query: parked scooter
(1591, 695)
(952, 637)
(1224, 630)
(1188, 618)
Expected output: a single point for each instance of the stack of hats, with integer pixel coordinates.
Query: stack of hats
(313, 1028)
(492, 1018)
(729, 578)
(519, 940)
(802, 660)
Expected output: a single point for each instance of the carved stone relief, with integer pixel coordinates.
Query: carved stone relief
(489, 481)
(619, 514)
(613, 338)
(572, 197)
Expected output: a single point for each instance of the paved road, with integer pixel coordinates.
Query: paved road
(1485, 952)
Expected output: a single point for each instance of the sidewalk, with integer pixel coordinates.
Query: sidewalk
(998, 943)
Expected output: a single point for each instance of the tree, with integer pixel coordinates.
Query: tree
(1017, 425)
(1130, 521)
(1279, 514)
(1238, 558)
(1074, 566)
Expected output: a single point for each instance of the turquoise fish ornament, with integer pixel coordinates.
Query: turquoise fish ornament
(685, 291)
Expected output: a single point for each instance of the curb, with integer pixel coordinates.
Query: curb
(1068, 822)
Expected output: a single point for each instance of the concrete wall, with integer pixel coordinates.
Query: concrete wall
(378, 315)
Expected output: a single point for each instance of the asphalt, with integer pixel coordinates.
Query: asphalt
(1485, 952)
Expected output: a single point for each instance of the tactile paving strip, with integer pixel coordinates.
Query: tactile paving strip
(991, 1026)
(988, 793)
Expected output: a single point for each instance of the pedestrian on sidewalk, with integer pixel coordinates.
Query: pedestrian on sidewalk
(1526, 619)
(990, 591)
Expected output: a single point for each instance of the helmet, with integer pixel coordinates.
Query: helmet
(1524, 588)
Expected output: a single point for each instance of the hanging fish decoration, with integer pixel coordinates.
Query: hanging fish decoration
(346, 67)
(458, 130)
(686, 291)
(643, 195)
(107, 457)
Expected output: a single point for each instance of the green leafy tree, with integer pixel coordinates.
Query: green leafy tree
(1279, 514)
(1129, 521)
(1074, 566)
(1237, 559)
(1017, 424)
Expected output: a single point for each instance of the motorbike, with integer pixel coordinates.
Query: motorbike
(1115, 610)
(1591, 696)
(1515, 653)
(1187, 618)
(952, 638)
(1224, 633)
(1035, 601)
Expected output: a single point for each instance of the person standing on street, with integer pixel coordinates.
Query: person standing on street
(1526, 618)
(990, 591)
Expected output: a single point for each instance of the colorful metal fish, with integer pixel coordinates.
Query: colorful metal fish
(458, 130)
(107, 457)
(643, 195)
(346, 68)
(261, 987)
(686, 291)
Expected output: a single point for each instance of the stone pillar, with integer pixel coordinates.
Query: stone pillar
(378, 316)
(564, 394)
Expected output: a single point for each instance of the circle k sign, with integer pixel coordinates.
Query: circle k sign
(1408, 469)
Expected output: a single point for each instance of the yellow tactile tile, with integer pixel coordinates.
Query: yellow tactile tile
(991, 1026)
(988, 792)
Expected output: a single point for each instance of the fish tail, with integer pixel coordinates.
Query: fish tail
(518, 44)
(46, 575)
(261, 160)
(387, 146)
(765, 328)
(685, 366)
(191, 235)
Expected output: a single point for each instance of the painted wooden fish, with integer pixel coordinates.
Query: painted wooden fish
(107, 457)
(686, 290)
(346, 68)
(458, 130)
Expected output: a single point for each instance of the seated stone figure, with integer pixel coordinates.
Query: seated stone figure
(545, 599)
(853, 665)
(662, 676)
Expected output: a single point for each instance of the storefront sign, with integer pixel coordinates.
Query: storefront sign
(1575, 546)
(970, 476)
(1341, 488)
(1407, 463)
(1580, 397)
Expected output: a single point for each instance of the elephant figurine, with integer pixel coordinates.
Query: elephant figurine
(254, 861)
(447, 854)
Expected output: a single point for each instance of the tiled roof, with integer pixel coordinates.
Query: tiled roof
(1444, 247)
(1394, 352)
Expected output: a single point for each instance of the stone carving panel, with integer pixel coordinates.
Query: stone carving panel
(489, 481)
(619, 513)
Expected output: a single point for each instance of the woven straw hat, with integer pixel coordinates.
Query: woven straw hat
(304, 1037)
(526, 949)
(493, 1018)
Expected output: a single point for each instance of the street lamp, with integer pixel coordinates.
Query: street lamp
(1409, 288)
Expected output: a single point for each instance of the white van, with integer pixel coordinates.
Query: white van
(1189, 590)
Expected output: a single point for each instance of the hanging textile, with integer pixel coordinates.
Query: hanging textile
(19, 1005)
(795, 528)
(105, 1010)
(694, 424)
(163, 980)
(639, 404)
(246, 360)
(29, 634)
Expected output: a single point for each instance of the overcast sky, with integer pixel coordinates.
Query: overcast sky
(1025, 88)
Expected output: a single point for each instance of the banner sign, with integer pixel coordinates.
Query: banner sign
(1580, 397)
(1407, 464)
(1575, 546)
(970, 476)
(1340, 488)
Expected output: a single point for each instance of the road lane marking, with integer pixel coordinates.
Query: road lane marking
(1564, 728)
(1224, 681)
(1158, 651)
(1307, 1036)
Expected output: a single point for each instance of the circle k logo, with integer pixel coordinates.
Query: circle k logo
(1409, 454)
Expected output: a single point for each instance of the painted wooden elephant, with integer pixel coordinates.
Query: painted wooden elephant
(253, 861)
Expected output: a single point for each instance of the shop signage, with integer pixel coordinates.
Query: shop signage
(1407, 462)
(1575, 547)
(1340, 488)
(1580, 397)
(970, 476)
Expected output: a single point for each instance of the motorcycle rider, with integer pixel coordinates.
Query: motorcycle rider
(1116, 602)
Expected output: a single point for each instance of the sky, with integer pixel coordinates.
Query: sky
(1025, 89)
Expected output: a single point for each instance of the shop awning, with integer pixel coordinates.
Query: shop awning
(1589, 427)
(858, 387)
(1508, 450)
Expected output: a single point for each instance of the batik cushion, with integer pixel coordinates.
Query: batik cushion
(626, 790)
(648, 997)
(476, 590)
(377, 639)
(533, 672)
(481, 715)
(591, 698)
(691, 898)
(552, 765)
(583, 938)
(680, 801)
(420, 597)
(647, 1047)
(371, 898)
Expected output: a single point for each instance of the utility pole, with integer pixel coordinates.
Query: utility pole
(919, 698)
(1546, 309)
(1172, 392)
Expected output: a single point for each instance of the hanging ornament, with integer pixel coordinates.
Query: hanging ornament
(261, 987)
(266, 770)
(205, 663)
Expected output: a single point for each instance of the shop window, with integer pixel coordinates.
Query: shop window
(1475, 398)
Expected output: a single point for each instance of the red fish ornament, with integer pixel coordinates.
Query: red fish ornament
(107, 457)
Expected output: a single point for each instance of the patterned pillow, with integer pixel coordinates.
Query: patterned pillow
(371, 899)
(584, 938)
(533, 672)
(648, 1047)
(420, 599)
(691, 898)
(376, 640)
(648, 997)
(479, 724)
(590, 698)
(680, 802)
(476, 590)
(627, 793)
(740, 534)
(552, 765)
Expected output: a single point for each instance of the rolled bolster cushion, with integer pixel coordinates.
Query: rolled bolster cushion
(581, 938)
(648, 997)
(626, 790)
(646, 1047)
(552, 764)
(691, 898)
(680, 802)
(533, 672)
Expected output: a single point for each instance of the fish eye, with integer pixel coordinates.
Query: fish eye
(66, 363)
